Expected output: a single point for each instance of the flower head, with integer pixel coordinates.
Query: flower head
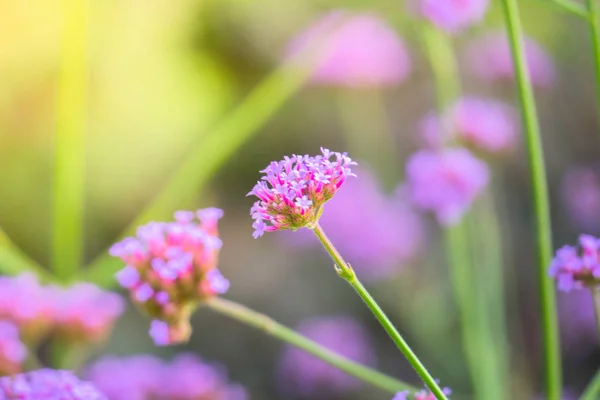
(490, 59)
(293, 191)
(358, 50)
(47, 384)
(575, 270)
(170, 267)
(12, 350)
(146, 377)
(445, 182)
(485, 125)
(305, 375)
(421, 395)
(450, 15)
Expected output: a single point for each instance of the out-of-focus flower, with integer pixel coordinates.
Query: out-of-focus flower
(293, 191)
(146, 377)
(353, 50)
(422, 395)
(490, 59)
(377, 240)
(12, 351)
(450, 15)
(47, 384)
(574, 271)
(486, 125)
(306, 375)
(445, 182)
(581, 196)
(170, 268)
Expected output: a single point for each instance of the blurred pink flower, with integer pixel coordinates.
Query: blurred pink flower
(445, 182)
(489, 58)
(450, 15)
(576, 268)
(12, 351)
(47, 384)
(420, 395)
(306, 375)
(486, 125)
(581, 197)
(360, 51)
(377, 239)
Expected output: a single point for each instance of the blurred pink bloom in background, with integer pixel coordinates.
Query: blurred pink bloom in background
(445, 182)
(47, 384)
(489, 58)
(360, 50)
(306, 375)
(450, 15)
(376, 233)
(581, 198)
(12, 351)
(486, 125)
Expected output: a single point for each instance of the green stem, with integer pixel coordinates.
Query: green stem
(595, 291)
(569, 6)
(69, 145)
(272, 328)
(346, 272)
(592, 392)
(553, 369)
(593, 15)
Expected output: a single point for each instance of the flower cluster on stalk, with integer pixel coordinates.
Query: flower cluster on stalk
(293, 191)
(170, 268)
(573, 269)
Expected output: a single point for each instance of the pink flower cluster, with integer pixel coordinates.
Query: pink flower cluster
(12, 351)
(422, 395)
(147, 377)
(47, 384)
(485, 125)
(574, 271)
(170, 268)
(353, 50)
(451, 15)
(445, 182)
(82, 312)
(293, 191)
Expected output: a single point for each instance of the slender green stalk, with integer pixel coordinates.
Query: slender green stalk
(592, 392)
(346, 272)
(273, 328)
(593, 20)
(553, 369)
(69, 145)
(569, 6)
(595, 291)
(14, 261)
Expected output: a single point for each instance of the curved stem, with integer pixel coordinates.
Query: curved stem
(593, 15)
(592, 392)
(345, 271)
(553, 369)
(272, 328)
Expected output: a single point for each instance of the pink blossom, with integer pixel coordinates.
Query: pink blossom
(450, 15)
(573, 269)
(12, 350)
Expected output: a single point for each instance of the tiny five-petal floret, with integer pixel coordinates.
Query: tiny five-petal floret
(47, 384)
(576, 270)
(293, 191)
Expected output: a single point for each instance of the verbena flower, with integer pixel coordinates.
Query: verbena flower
(581, 197)
(47, 384)
(385, 235)
(354, 50)
(490, 59)
(421, 395)
(445, 182)
(170, 268)
(146, 377)
(306, 375)
(12, 351)
(450, 15)
(485, 125)
(575, 269)
(293, 191)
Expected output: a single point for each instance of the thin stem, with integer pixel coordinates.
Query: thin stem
(273, 328)
(345, 271)
(69, 145)
(595, 291)
(593, 16)
(553, 369)
(592, 392)
(569, 6)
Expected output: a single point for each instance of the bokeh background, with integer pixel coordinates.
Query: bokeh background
(162, 74)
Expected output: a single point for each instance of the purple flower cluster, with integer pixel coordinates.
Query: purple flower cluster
(422, 395)
(574, 271)
(451, 15)
(82, 312)
(47, 384)
(383, 236)
(170, 268)
(354, 50)
(12, 351)
(445, 182)
(146, 377)
(293, 191)
(485, 125)
(490, 59)
(306, 375)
